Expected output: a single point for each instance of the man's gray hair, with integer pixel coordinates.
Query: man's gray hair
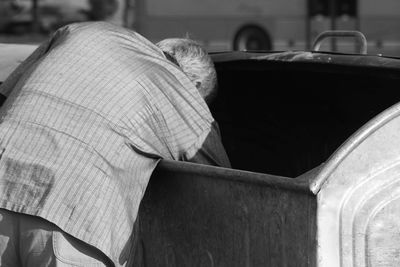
(195, 62)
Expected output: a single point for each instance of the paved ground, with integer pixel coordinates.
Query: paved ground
(11, 55)
(22, 39)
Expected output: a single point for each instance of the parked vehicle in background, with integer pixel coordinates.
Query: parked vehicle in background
(269, 24)
(51, 14)
(8, 9)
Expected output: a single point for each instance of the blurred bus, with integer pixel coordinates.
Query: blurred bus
(267, 24)
(19, 16)
(24, 17)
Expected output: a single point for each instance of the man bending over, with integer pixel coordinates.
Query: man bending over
(87, 118)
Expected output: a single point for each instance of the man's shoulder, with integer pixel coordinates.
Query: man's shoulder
(92, 27)
(117, 40)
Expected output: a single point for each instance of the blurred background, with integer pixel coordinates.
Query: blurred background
(220, 25)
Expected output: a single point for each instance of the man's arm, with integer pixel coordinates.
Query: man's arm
(211, 151)
(8, 85)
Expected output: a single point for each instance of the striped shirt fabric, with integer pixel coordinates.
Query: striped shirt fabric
(87, 118)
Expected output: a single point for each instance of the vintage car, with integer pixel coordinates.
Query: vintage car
(314, 141)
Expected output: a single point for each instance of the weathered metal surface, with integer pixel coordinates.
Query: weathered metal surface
(358, 198)
(195, 215)
(312, 57)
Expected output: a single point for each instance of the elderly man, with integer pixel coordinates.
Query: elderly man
(87, 118)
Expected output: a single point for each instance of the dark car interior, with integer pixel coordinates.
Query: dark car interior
(285, 118)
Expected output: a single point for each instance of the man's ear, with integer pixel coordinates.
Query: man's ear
(198, 84)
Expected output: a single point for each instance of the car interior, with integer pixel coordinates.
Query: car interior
(286, 118)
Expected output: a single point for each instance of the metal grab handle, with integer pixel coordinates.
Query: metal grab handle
(332, 34)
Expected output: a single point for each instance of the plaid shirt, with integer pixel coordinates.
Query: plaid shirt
(87, 118)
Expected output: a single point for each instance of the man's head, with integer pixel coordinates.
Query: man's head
(195, 63)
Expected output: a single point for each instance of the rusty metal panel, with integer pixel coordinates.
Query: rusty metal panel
(196, 215)
(359, 197)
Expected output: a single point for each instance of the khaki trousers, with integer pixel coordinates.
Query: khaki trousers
(30, 241)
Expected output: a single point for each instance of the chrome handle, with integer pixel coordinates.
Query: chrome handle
(333, 34)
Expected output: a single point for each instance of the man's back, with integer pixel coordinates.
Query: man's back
(85, 125)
